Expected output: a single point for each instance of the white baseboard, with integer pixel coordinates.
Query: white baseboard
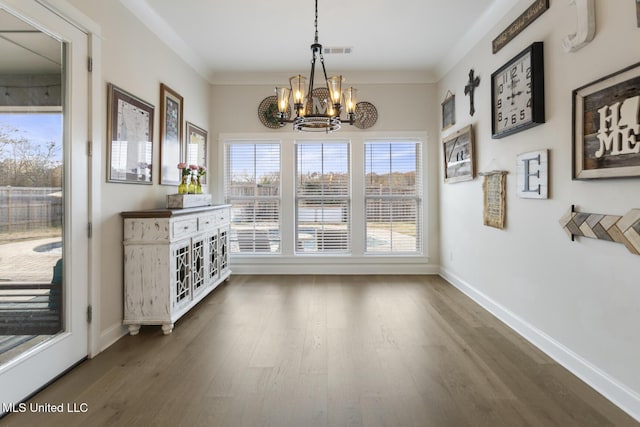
(622, 396)
(332, 264)
(110, 336)
(315, 268)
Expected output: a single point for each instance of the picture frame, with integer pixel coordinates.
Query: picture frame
(171, 145)
(448, 111)
(458, 156)
(196, 147)
(605, 123)
(129, 137)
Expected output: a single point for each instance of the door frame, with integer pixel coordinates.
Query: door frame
(96, 112)
(37, 11)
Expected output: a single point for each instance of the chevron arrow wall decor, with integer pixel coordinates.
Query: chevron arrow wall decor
(614, 228)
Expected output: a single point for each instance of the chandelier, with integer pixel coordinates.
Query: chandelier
(316, 115)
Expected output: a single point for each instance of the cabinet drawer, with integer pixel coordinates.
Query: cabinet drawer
(184, 227)
(222, 216)
(207, 222)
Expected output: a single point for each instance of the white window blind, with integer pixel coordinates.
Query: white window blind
(392, 197)
(323, 197)
(252, 187)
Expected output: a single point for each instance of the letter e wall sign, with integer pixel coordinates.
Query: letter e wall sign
(606, 128)
(532, 175)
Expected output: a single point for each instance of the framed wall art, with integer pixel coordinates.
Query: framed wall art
(197, 148)
(129, 137)
(171, 107)
(448, 111)
(606, 126)
(458, 156)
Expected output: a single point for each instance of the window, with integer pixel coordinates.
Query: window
(310, 200)
(392, 197)
(323, 197)
(252, 187)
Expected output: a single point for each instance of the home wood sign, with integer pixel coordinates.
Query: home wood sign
(606, 131)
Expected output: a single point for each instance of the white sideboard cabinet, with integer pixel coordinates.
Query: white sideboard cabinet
(172, 259)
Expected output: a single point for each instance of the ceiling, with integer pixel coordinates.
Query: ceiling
(26, 50)
(257, 41)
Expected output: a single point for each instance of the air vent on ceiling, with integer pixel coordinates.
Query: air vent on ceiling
(338, 50)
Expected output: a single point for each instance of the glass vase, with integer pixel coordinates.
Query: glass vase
(192, 186)
(198, 186)
(183, 187)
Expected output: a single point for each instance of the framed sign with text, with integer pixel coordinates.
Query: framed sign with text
(606, 126)
(532, 13)
(494, 192)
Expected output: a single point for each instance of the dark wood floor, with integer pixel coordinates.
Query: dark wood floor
(327, 350)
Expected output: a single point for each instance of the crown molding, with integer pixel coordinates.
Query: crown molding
(158, 26)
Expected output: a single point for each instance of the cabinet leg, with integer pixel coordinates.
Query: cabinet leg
(167, 328)
(134, 329)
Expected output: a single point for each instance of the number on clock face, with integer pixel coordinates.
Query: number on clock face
(512, 95)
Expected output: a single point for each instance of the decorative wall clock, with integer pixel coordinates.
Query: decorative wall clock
(517, 93)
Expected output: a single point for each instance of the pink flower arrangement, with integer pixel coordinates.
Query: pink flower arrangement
(192, 169)
(186, 171)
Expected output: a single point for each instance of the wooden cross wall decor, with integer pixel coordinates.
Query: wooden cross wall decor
(471, 86)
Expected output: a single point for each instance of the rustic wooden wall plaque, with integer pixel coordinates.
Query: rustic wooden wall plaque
(494, 188)
(613, 228)
(528, 16)
(458, 155)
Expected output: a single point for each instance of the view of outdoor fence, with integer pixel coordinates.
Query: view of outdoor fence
(25, 208)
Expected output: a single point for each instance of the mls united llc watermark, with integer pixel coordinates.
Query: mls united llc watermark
(69, 407)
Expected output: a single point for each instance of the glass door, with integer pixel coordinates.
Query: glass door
(43, 198)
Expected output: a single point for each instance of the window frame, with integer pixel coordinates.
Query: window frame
(390, 197)
(230, 199)
(345, 198)
(356, 262)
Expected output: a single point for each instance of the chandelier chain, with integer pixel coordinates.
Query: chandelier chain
(314, 115)
(316, 22)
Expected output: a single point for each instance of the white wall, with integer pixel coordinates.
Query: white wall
(580, 300)
(402, 108)
(576, 300)
(137, 61)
